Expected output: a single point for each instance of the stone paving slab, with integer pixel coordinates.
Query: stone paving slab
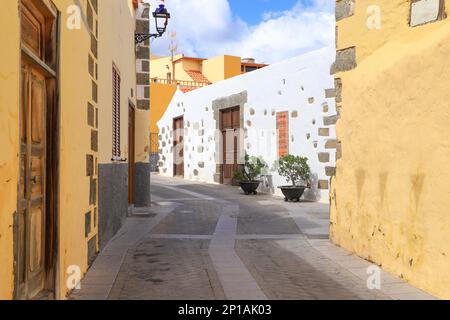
(159, 269)
(192, 218)
(102, 275)
(237, 282)
(291, 269)
(208, 242)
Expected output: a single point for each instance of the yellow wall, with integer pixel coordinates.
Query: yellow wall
(115, 35)
(232, 66)
(75, 135)
(391, 195)
(158, 67)
(9, 140)
(221, 68)
(142, 136)
(160, 97)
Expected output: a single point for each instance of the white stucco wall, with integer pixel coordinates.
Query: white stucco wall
(286, 86)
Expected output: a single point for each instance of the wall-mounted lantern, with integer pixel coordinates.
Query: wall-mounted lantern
(162, 17)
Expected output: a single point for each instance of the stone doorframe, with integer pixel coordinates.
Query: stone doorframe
(235, 100)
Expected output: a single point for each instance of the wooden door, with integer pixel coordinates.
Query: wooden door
(178, 147)
(131, 152)
(31, 233)
(230, 125)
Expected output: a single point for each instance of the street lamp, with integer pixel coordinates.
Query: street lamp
(162, 17)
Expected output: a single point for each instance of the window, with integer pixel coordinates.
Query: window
(250, 69)
(283, 133)
(115, 114)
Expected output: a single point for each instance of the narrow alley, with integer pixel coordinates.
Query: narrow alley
(205, 242)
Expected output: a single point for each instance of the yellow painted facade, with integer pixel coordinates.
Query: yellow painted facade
(221, 68)
(9, 141)
(116, 35)
(390, 198)
(75, 135)
(161, 95)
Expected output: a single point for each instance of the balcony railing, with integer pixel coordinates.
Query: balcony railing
(182, 83)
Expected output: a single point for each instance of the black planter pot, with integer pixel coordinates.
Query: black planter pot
(249, 187)
(292, 193)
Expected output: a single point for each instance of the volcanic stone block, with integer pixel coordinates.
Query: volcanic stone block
(344, 9)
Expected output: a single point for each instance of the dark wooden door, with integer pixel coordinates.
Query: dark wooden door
(178, 147)
(230, 125)
(31, 233)
(131, 152)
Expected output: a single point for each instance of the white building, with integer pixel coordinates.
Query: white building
(299, 90)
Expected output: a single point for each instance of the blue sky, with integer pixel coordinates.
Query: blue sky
(252, 11)
(267, 30)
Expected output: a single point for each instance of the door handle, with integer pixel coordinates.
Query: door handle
(34, 180)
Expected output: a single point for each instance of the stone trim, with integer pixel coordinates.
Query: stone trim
(331, 144)
(324, 185)
(345, 60)
(235, 100)
(324, 157)
(330, 93)
(344, 9)
(324, 132)
(338, 89)
(330, 121)
(417, 13)
(89, 165)
(330, 171)
(92, 122)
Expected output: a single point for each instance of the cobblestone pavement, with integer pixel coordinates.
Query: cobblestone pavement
(209, 242)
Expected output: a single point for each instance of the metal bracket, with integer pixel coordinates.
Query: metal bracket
(141, 37)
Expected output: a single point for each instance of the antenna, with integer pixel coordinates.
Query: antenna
(173, 48)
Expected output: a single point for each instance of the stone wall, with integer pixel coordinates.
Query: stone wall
(113, 200)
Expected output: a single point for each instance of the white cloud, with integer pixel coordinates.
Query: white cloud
(208, 28)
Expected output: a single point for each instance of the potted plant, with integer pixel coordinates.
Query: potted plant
(297, 171)
(249, 173)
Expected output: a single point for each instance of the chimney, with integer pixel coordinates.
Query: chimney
(248, 60)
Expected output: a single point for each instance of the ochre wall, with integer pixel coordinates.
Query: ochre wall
(158, 67)
(232, 67)
(391, 195)
(114, 35)
(160, 97)
(75, 134)
(221, 68)
(74, 140)
(9, 140)
(142, 136)
(75, 144)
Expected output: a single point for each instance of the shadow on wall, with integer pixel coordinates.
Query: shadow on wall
(313, 194)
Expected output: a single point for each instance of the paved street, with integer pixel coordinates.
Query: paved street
(204, 241)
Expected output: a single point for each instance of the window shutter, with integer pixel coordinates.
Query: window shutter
(283, 134)
(115, 114)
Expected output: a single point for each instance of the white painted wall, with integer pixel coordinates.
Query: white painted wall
(285, 86)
